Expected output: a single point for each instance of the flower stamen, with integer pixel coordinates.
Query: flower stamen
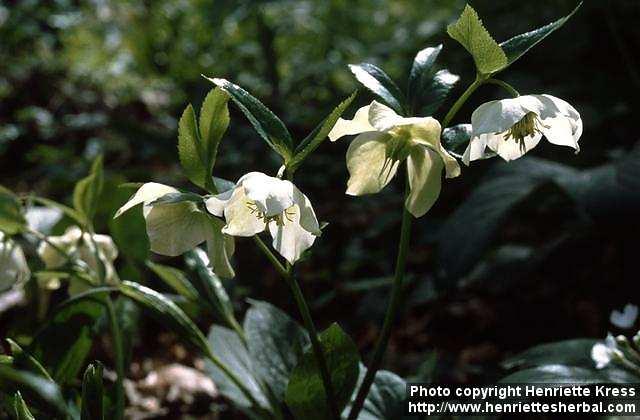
(529, 125)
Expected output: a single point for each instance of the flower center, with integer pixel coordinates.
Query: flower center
(529, 125)
(278, 218)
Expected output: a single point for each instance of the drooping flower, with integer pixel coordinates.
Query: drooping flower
(259, 202)
(384, 140)
(512, 127)
(177, 227)
(13, 265)
(80, 246)
(626, 318)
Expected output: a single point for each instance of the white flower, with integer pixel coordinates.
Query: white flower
(384, 139)
(626, 318)
(177, 227)
(512, 127)
(258, 202)
(13, 265)
(80, 246)
(604, 353)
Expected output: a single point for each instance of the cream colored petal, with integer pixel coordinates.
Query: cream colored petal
(511, 149)
(146, 194)
(422, 129)
(308, 219)
(174, 229)
(499, 116)
(289, 238)
(14, 269)
(242, 219)
(49, 251)
(359, 124)
(272, 195)
(220, 248)
(383, 118)
(559, 131)
(105, 244)
(369, 169)
(475, 150)
(216, 204)
(424, 169)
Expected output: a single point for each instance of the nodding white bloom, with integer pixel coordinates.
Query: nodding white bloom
(384, 140)
(604, 353)
(175, 227)
(626, 318)
(80, 246)
(512, 127)
(259, 202)
(13, 265)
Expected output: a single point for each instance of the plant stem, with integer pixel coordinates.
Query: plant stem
(119, 355)
(303, 308)
(390, 316)
(504, 85)
(480, 79)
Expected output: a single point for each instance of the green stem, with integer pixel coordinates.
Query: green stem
(462, 99)
(303, 308)
(390, 316)
(504, 85)
(119, 355)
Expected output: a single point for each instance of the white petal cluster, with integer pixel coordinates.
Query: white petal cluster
(259, 202)
(384, 139)
(626, 318)
(13, 265)
(177, 227)
(603, 353)
(511, 127)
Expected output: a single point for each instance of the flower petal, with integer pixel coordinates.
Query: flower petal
(424, 169)
(383, 118)
(174, 229)
(241, 220)
(559, 131)
(270, 194)
(511, 149)
(368, 166)
(14, 269)
(476, 149)
(359, 124)
(216, 203)
(308, 219)
(499, 116)
(149, 192)
(289, 238)
(220, 249)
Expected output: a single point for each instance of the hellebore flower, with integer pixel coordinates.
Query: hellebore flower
(13, 265)
(512, 127)
(259, 202)
(603, 353)
(81, 245)
(175, 227)
(384, 140)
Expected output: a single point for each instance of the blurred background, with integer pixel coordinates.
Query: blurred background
(510, 256)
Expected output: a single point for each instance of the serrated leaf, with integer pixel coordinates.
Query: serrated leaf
(20, 409)
(421, 71)
(265, 122)
(175, 279)
(214, 121)
(12, 220)
(436, 90)
(469, 31)
(319, 134)
(517, 46)
(38, 391)
(276, 343)
(377, 81)
(92, 393)
(229, 349)
(166, 311)
(87, 192)
(576, 352)
(305, 394)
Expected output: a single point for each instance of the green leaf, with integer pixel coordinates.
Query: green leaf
(229, 349)
(469, 31)
(517, 46)
(576, 352)
(175, 279)
(386, 397)
(436, 90)
(190, 150)
(319, 134)
(305, 394)
(377, 81)
(178, 197)
(12, 220)
(38, 391)
(421, 71)
(128, 229)
(265, 122)
(86, 193)
(25, 361)
(276, 343)
(166, 311)
(92, 393)
(21, 411)
(455, 139)
(214, 121)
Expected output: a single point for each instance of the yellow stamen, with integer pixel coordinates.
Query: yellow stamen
(529, 125)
